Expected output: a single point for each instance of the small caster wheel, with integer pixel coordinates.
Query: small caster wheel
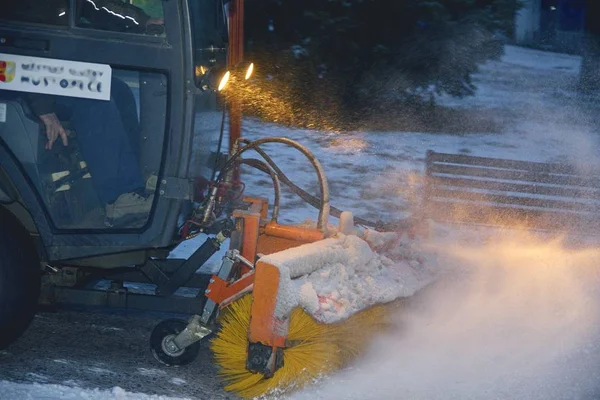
(162, 334)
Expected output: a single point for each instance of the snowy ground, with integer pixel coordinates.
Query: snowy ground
(516, 325)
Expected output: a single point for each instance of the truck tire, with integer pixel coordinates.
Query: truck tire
(19, 279)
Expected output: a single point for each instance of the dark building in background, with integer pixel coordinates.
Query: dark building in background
(556, 25)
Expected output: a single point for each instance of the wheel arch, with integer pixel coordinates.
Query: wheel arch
(19, 199)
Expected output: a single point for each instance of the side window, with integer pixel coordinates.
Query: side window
(134, 16)
(48, 12)
(94, 157)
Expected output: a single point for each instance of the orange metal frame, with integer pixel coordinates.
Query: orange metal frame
(260, 236)
(257, 235)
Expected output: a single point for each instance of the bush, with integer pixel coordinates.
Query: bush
(336, 58)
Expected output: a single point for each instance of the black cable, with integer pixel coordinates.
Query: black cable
(262, 166)
(303, 194)
(314, 201)
(216, 166)
(324, 200)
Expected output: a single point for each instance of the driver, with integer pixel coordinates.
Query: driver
(108, 134)
(108, 131)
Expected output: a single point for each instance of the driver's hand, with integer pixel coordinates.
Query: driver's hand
(54, 129)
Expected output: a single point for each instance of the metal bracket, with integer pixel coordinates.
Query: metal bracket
(176, 188)
(194, 332)
(264, 359)
(63, 276)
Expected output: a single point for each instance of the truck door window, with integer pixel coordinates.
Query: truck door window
(134, 16)
(48, 12)
(94, 160)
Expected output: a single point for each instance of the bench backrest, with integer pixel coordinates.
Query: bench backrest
(468, 189)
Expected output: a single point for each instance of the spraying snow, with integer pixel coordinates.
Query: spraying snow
(515, 320)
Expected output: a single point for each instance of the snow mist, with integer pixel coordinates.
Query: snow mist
(515, 317)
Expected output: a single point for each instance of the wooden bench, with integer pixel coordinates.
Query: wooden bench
(489, 191)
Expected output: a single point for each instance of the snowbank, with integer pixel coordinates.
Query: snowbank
(11, 390)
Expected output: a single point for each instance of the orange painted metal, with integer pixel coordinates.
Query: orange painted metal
(293, 232)
(258, 204)
(220, 291)
(264, 211)
(267, 238)
(272, 244)
(265, 328)
(250, 233)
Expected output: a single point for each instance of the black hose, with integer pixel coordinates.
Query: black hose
(221, 134)
(324, 189)
(303, 194)
(262, 166)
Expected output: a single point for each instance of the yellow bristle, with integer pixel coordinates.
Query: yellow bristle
(318, 349)
(354, 334)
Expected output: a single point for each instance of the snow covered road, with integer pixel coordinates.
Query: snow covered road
(99, 350)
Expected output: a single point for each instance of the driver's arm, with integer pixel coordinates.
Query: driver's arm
(41, 104)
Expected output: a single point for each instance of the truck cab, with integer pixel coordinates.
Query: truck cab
(121, 80)
(102, 102)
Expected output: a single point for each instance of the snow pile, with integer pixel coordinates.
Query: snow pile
(334, 278)
(11, 390)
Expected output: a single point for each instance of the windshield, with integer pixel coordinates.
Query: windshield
(135, 16)
(209, 32)
(87, 135)
(209, 41)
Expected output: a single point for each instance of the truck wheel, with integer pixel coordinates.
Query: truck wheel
(19, 279)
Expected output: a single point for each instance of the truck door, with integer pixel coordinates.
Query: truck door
(96, 114)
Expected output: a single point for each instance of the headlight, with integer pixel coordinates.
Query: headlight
(223, 81)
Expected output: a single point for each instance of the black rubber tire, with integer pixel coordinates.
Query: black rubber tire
(20, 277)
(160, 332)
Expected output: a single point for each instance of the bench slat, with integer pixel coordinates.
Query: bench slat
(480, 190)
(514, 200)
(513, 175)
(509, 217)
(531, 166)
(534, 189)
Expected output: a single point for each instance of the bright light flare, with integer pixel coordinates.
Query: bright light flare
(224, 81)
(249, 71)
(200, 70)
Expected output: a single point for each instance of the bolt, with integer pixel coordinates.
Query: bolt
(172, 347)
(162, 192)
(2, 40)
(207, 291)
(212, 280)
(164, 181)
